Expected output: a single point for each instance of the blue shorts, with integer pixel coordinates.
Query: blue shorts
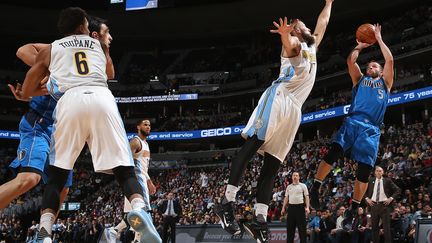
(32, 153)
(361, 138)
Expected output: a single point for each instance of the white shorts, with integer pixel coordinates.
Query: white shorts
(89, 115)
(275, 120)
(146, 195)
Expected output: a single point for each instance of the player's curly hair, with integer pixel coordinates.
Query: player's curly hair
(70, 19)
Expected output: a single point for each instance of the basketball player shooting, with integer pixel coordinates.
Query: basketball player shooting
(272, 127)
(360, 132)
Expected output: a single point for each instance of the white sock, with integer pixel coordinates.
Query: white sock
(137, 203)
(137, 237)
(46, 221)
(121, 226)
(262, 209)
(231, 192)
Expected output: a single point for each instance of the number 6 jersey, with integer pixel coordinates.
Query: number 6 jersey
(76, 60)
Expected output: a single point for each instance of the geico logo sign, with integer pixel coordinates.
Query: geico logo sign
(216, 132)
(346, 109)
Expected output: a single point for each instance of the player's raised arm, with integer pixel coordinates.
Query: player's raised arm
(322, 22)
(291, 44)
(388, 70)
(32, 83)
(353, 68)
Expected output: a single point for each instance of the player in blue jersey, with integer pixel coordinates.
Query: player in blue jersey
(35, 133)
(360, 132)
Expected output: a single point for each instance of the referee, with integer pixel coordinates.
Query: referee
(297, 198)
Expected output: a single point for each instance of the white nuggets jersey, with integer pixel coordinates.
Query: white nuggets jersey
(142, 159)
(305, 67)
(76, 60)
(278, 115)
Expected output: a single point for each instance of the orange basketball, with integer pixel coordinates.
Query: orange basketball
(365, 33)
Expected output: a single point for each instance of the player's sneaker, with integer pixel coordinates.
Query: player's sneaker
(114, 234)
(141, 222)
(42, 236)
(226, 214)
(314, 197)
(137, 238)
(259, 231)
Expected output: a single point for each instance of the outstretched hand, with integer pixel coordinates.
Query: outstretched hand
(377, 32)
(362, 45)
(283, 27)
(17, 92)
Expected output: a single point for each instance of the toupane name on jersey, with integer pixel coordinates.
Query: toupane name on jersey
(78, 43)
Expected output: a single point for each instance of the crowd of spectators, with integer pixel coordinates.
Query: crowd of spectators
(405, 154)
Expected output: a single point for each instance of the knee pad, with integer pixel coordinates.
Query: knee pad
(333, 154)
(126, 177)
(363, 172)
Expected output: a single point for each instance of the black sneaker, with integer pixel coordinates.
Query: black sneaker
(259, 231)
(314, 197)
(42, 236)
(226, 214)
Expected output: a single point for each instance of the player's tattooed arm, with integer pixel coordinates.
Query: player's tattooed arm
(135, 145)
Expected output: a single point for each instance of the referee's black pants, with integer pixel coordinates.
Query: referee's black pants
(296, 218)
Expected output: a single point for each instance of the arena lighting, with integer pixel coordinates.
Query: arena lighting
(155, 79)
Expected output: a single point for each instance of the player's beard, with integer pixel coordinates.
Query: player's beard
(374, 75)
(145, 133)
(310, 39)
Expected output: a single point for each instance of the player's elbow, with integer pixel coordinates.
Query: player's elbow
(20, 53)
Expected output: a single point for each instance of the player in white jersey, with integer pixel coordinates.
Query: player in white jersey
(141, 154)
(79, 67)
(272, 127)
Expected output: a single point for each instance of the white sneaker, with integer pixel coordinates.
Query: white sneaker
(114, 233)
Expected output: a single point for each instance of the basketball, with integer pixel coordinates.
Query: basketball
(365, 33)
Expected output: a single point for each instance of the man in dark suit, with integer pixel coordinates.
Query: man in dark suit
(380, 194)
(171, 211)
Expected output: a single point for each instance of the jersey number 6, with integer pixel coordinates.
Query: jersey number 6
(81, 63)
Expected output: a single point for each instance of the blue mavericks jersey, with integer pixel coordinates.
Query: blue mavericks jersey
(369, 100)
(44, 106)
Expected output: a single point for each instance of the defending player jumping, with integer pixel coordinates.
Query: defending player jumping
(272, 127)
